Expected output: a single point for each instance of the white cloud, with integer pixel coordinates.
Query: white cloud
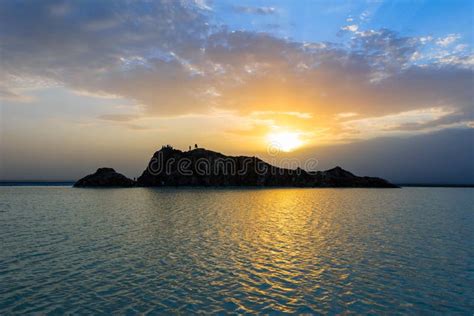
(463, 61)
(350, 28)
(346, 115)
(203, 4)
(255, 10)
(461, 48)
(364, 16)
(398, 122)
(301, 115)
(448, 40)
(425, 39)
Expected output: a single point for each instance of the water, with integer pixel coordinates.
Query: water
(66, 250)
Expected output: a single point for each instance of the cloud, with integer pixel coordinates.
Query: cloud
(295, 114)
(350, 28)
(168, 58)
(401, 122)
(7, 94)
(440, 157)
(448, 40)
(119, 117)
(346, 114)
(202, 4)
(456, 60)
(255, 10)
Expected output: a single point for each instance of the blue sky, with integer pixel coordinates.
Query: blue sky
(310, 20)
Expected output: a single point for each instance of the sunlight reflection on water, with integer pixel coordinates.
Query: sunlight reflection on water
(236, 250)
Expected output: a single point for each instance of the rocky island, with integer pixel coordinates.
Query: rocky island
(105, 177)
(201, 167)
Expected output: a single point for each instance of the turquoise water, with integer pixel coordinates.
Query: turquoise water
(139, 250)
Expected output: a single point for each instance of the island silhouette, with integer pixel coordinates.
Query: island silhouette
(202, 167)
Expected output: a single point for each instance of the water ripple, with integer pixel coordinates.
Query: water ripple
(148, 251)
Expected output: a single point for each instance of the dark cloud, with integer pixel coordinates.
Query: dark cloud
(71, 41)
(441, 157)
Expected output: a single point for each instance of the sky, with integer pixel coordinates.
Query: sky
(381, 88)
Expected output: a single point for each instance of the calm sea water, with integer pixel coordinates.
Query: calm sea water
(66, 250)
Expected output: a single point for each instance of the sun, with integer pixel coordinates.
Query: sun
(284, 141)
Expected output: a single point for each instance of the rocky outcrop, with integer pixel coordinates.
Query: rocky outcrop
(338, 177)
(200, 167)
(105, 177)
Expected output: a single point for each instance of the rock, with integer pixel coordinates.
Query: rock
(201, 167)
(105, 177)
(338, 172)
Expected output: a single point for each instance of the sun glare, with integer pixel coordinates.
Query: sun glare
(284, 141)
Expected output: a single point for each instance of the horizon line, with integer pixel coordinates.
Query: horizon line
(404, 184)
